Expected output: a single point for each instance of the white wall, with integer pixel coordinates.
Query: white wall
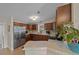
(5, 35)
(61, 4)
(75, 15)
(8, 36)
(5, 30)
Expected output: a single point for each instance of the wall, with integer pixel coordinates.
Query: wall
(61, 4)
(5, 35)
(8, 35)
(75, 15)
(4, 21)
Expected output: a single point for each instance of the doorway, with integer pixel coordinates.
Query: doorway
(1, 36)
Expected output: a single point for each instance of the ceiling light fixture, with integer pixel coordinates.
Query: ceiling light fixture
(34, 17)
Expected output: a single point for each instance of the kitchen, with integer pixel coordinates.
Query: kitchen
(39, 28)
(44, 31)
(33, 33)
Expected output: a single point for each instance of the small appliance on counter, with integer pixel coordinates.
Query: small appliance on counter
(51, 34)
(48, 32)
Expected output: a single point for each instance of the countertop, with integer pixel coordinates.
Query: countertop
(36, 44)
(54, 47)
(35, 32)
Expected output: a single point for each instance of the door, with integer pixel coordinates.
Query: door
(1, 36)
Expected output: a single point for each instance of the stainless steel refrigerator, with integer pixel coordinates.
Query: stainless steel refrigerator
(19, 36)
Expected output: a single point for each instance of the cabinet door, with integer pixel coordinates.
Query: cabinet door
(45, 26)
(31, 27)
(48, 26)
(63, 15)
(34, 27)
(27, 27)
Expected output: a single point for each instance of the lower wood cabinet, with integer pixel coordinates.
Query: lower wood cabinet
(37, 37)
(28, 37)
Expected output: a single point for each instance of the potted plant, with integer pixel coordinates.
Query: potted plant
(71, 37)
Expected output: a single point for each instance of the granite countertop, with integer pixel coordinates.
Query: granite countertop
(36, 44)
(36, 33)
(53, 47)
(53, 34)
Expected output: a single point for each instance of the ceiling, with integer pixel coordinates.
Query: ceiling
(22, 11)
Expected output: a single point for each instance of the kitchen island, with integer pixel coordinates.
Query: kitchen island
(36, 48)
(35, 36)
(50, 47)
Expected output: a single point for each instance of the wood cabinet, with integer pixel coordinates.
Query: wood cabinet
(48, 26)
(18, 24)
(34, 26)
(28, 26)
(37, 37)
(28, 37)
(63, 15)
(31, 27)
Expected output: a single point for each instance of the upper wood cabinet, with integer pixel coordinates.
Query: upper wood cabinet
(19, 24)
(48, 26)
(32, 26)
(63, 14)
(28, 26)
